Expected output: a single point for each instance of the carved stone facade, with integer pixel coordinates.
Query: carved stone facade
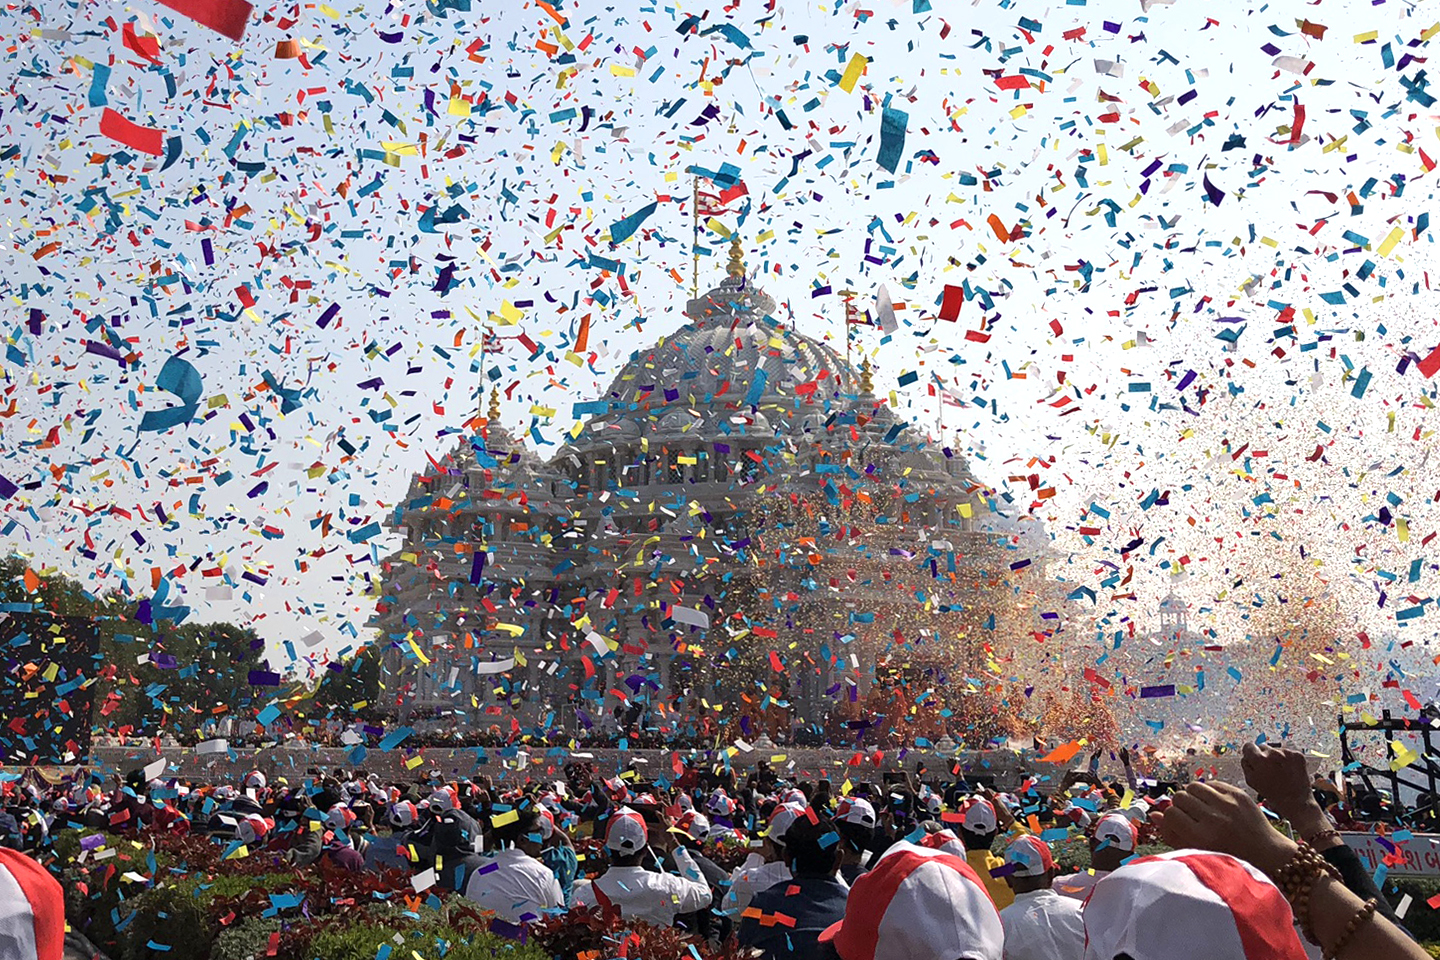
(739, 491)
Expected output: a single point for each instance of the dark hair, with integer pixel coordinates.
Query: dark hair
(975, 840)
(526, 822)
(812, 847)
(856, 836)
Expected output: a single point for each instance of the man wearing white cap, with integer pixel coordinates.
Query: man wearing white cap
(515, 885)
(636, 892)
(978, 830)
(766, 868)
(1040, 924)
(1111, 842)
(918, 904)
(855, 821)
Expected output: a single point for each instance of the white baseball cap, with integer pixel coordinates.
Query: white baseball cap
(979, 815)
(1030, 856)
(1189, 905)
(403, 814)
(918, 904)
(442, 800)
(626, 832)
(32, 909)
(856, 810)
(1119, 830)
(697, 825)
(781, 818)
(253, 829)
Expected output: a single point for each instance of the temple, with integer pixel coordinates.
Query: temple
(744, 535)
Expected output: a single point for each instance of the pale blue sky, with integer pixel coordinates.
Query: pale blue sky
(387, 79)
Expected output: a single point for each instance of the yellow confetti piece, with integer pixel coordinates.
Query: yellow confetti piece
(1390, 241)
(619, 70)
(853, 69)
(1367, 37)
(459, 107)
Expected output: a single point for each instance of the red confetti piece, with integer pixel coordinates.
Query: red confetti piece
(1431, 364)
(227, 17)
(145, 139)
(950, 306)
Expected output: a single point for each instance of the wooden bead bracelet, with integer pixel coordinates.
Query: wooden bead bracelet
(1296, 878)
(1362, 917)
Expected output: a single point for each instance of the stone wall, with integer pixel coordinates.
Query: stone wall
(795, 763)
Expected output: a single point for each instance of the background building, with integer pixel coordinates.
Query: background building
(742, 534)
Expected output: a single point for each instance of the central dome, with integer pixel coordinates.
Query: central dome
(732, 355)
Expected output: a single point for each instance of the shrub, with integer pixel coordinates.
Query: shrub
(170, 923)
(451, 930)
(247, 941)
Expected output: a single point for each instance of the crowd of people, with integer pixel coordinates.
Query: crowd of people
(905, 869)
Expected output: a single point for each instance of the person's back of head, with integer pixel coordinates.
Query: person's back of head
(979, 824)
(1113, 841)
(1189, 905)
(32, 910)
(917, 904)
(812, 845)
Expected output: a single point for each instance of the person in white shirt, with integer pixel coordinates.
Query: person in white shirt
(1112, 842)
(637, 893)
(514, 884)
(1040, 924)
(764, 869)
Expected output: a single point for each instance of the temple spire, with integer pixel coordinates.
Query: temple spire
(736, 267)
(493, 415)
(866, 386)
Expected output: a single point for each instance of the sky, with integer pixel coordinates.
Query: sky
(1192, 242)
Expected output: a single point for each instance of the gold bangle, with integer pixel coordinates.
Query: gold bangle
(1362, 916)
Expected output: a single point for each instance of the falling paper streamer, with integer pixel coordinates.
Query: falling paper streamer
(145, 139)
(892, 138)
(697, 618)
(180, 378)
(622, 230)
(228, 17)
(885, 311)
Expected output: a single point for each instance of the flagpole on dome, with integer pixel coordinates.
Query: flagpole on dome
(695, 236)
(848, 298)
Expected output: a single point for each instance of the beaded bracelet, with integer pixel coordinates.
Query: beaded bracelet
(1322, 835)
(1296, 878)
(1362, 916)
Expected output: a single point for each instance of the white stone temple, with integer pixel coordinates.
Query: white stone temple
(742, 493)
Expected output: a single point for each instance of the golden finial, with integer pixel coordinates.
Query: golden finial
(493, 415)
(737, 257)
(866, 386)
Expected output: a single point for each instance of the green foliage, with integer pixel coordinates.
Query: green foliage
(212, 660)
(245, 941)
(168, 917)
(345, 684)
(428, 933)
(1422, 922)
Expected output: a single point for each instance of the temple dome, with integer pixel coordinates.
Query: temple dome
(719, 361)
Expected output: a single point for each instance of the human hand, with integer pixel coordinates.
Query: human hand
(1280, 778)
(1223, 818)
